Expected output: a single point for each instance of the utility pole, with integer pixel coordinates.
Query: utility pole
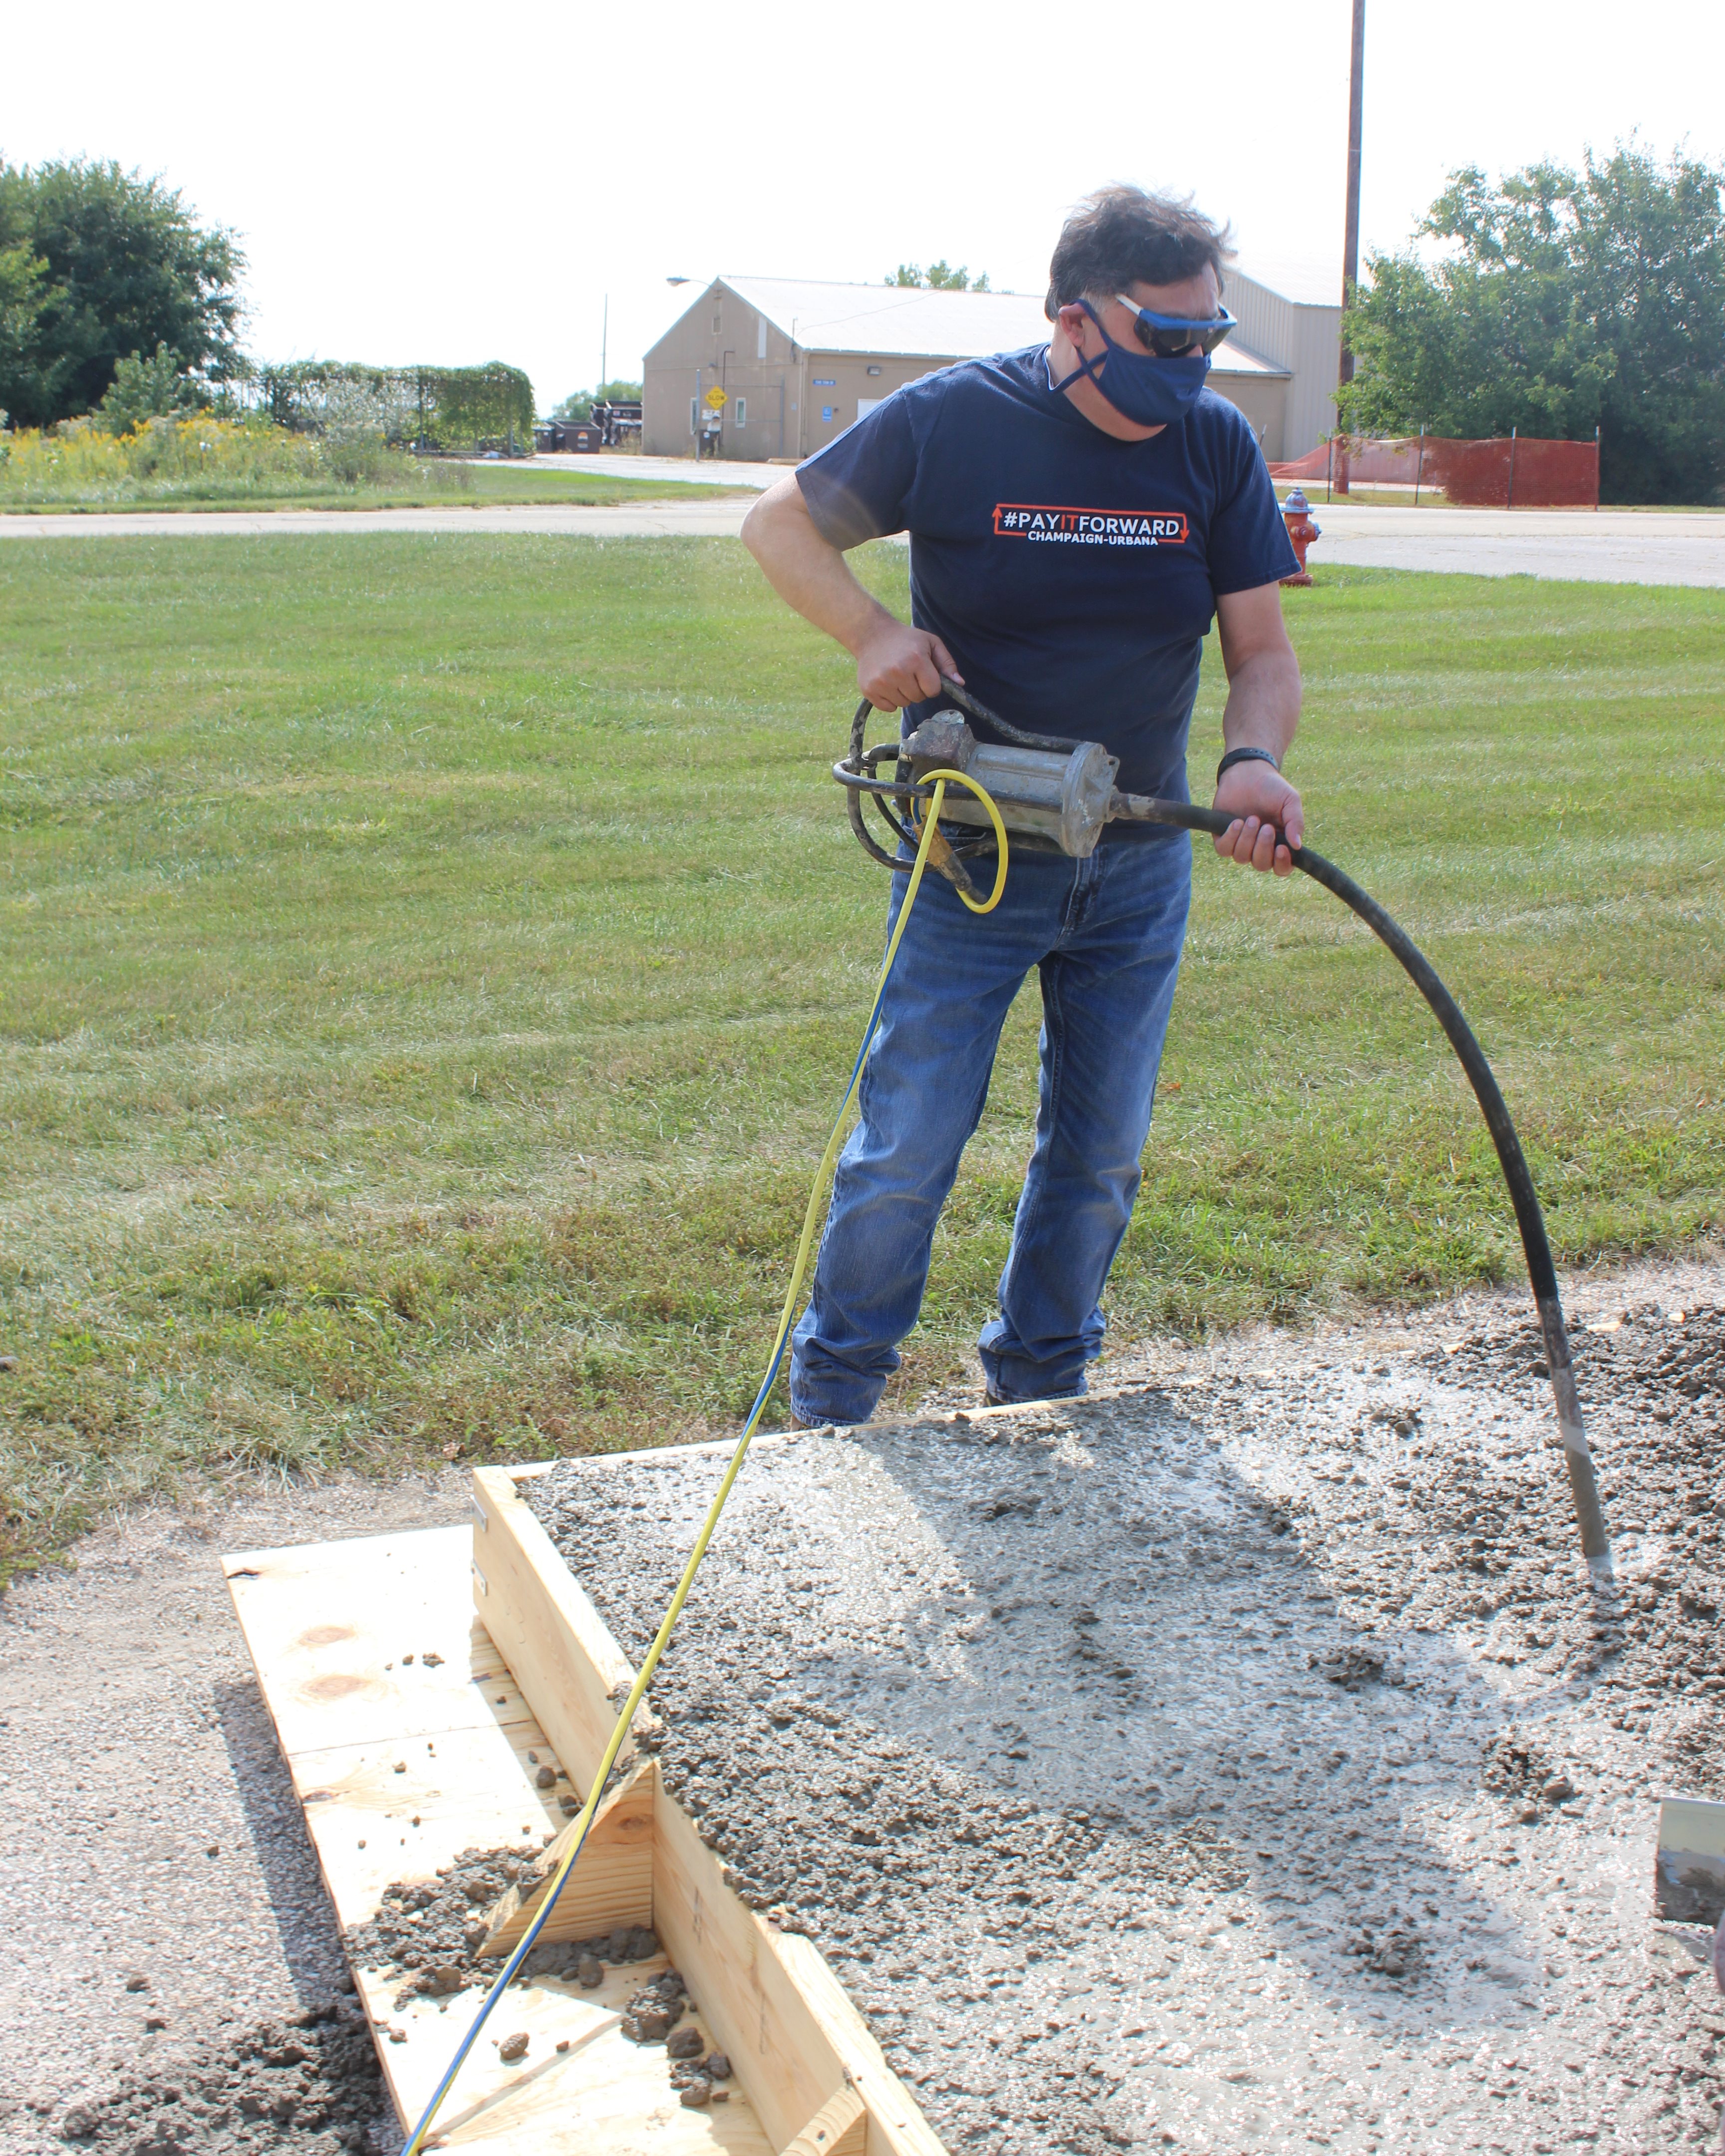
(605, 320)
(1350, 244)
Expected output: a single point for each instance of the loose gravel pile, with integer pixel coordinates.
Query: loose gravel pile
(310, 2084)
(428, 1933)
(1242, 1764)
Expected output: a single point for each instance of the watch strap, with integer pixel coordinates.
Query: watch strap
(1245, 755)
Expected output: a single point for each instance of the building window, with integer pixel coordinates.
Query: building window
(718, 323)
(874, 370)
(760, 336)
(742, 411)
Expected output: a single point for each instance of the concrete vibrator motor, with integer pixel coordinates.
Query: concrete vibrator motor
(1055, 793)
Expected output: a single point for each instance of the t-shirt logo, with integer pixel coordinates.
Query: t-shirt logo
(1089, 527)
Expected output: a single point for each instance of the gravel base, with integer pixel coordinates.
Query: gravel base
(311, 2083)
(1242, 1763)
(167, 1925)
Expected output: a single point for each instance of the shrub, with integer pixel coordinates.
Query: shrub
(143, 389)
(452, 409)
(198, 458)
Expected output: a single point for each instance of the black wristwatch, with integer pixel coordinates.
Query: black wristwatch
(1245, 755)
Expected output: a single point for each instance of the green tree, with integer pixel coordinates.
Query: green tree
(1564, 301)
(577, 407)
(125, 268)
(21, 304)
(937, 277)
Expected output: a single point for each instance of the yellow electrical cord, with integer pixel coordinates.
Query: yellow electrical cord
(626, 1714)
(977, 906)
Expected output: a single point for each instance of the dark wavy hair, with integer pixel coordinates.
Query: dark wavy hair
(1122, 236)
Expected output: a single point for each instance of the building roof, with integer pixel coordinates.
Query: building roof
(1309, 280)
(903, 321)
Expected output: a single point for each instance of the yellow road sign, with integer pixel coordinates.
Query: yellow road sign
(716, 398)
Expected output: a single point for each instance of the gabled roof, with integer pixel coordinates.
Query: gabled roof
(902, 321)
(896, 319)
(1309, 280)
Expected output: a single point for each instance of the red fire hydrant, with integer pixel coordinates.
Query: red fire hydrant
(1296, 515)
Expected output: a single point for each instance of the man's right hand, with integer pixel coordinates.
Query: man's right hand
(896, 665)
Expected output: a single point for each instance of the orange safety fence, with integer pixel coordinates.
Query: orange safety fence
(1512, 472)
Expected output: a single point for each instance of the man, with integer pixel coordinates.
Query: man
(1066, 623)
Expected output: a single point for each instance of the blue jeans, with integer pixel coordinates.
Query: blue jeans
(1105, 935)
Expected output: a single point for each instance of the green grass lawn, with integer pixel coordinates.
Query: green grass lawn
(458, 486)
(429, 967)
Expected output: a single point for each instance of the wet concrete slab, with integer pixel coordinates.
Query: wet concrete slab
(1241, 1762)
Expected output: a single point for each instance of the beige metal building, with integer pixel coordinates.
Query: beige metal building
(797, 361)
(1292, 314)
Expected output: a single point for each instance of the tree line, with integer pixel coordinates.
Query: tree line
(1554, 302)
(99, 267)
(577, 407)
(115, 301)
(938, 277)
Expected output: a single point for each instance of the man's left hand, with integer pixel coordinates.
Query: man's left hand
(1259, 799)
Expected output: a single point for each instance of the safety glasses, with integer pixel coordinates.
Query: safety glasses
(1169, 336)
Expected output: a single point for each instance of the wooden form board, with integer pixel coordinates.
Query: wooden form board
(800, 2046)
(401, 1765)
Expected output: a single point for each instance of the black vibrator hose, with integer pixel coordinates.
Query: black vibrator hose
(1583, 1484)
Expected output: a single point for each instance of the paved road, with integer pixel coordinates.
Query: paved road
(1609, 546)
(719, 519)
(1612, 546)
(609, 464)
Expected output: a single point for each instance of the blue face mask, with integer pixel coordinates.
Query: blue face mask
(1148, 391)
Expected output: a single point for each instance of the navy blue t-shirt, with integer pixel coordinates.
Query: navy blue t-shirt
(1071, 576)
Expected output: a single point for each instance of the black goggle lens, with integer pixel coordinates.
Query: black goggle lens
(1179, 340)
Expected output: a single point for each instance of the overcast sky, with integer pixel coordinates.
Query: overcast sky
(444, 184)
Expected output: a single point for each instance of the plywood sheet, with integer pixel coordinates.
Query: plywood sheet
(604, 2094)
(402, 1764)
(331, 1625)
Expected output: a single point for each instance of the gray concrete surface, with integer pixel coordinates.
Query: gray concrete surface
(1609, 547)
(1242, 1764)
(1613, 546)
(646, 520)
